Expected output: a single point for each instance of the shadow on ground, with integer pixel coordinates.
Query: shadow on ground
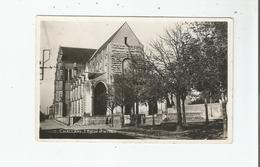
(191, 131)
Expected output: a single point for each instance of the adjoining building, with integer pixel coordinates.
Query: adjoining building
(70, 64)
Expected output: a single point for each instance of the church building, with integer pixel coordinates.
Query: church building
(83, 75)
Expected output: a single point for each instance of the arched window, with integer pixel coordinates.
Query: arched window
(126, 66)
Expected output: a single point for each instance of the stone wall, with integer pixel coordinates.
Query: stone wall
(103, 121)
(119, 52)
(64, 120)
(98, 62)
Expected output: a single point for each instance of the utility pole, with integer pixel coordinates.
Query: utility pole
(44, 52)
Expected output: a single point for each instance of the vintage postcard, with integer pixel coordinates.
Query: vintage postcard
(134, 79)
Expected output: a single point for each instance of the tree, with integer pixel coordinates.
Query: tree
(213, 57)
(127, 88)
(152, 87)
(142, 84)
(133, 86)
(119, 93)
(114, 99)
(172, 56)
(211, 63)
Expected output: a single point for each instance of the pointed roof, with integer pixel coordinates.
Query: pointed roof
(110, 39)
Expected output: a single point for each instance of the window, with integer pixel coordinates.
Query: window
(66, 74)
(126, 65)
(126, 41)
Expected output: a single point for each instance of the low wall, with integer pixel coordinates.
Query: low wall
(213, 110)
(214, 107)
(172, 117)
(194, 113)
(95, 120)
(103, 120)
(64, 120)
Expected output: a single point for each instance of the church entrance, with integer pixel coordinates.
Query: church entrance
(100, 103)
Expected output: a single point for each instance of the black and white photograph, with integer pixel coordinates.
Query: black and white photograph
(129, 83)
(134, 79)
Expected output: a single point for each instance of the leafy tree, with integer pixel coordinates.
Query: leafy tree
(152, 87)
(114, 98)
(213, 55)
(127, 88)
(211, 63)
(119, 93)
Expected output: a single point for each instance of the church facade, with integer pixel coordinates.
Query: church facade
(82, 75)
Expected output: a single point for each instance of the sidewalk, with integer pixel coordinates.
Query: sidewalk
(53, 124)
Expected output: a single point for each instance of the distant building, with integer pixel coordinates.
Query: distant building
(51, 113)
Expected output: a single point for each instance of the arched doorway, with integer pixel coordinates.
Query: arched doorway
(100, 103)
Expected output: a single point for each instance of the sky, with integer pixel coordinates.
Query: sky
(88, 33)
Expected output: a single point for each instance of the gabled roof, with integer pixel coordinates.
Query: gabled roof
(76, 55)
(110, 39)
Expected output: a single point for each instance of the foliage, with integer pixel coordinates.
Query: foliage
(211, 71)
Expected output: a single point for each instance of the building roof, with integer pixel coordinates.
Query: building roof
(107, 42)
(76, 55)
(110, 39)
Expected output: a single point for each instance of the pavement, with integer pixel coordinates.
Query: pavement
(53, 124)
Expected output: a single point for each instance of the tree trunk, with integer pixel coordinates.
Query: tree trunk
(179, 117)
(225, 118)
(133, 114)
(112, 116)
(206, 111)
(183, 111)
(173, 104)
(153, 120)
(166, 104)
(210, 101)
(153, 108)
(122, 112)
(166, 107)
(137, 113)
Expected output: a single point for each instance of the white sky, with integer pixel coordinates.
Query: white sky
(89, 33)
